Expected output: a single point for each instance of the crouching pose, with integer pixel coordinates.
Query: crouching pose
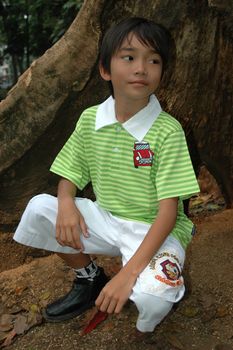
(136, 157)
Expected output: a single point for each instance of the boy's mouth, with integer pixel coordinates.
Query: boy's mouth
(139, 82)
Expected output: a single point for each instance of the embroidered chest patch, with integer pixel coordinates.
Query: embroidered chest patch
(142, 154)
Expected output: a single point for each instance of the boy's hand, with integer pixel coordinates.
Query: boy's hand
(115, 293)
(70, 225)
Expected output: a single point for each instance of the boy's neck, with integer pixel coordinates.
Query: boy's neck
(126, 109)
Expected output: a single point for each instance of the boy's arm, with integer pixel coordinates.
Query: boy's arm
(114, 295)
(70, 223)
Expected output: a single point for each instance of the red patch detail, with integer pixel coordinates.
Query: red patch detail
(142, 154)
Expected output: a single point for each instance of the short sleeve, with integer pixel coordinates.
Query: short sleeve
(175, 175)
(70, 162)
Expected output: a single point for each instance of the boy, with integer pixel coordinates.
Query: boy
(136, 157)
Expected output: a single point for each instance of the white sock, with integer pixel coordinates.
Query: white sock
(89, 272)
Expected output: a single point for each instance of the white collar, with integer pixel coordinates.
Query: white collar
(138, 125)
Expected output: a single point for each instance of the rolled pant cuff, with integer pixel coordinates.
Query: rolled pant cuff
(143, 326)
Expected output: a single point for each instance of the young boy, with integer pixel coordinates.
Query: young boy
(136, 157)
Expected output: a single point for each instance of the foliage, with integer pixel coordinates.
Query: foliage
(49, 21)
(28, 28)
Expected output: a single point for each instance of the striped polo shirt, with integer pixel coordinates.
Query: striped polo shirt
(132, 165)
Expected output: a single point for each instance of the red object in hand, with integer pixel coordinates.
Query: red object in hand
(97, 319)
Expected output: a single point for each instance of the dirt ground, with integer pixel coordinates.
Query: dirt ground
(203, 320)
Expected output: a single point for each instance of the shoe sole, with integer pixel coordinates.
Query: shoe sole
(66, 317)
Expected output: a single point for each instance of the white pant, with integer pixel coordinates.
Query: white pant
(158, 286)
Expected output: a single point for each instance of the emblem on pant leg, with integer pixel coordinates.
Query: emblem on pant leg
(170, 270)
(142, 154)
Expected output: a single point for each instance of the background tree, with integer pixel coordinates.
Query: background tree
(41, 110)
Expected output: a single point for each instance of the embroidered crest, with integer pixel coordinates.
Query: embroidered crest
(171, 270)
(142, 154)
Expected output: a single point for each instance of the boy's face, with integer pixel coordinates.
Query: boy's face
(135, 72)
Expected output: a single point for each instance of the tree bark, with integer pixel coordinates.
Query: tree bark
(41, 110)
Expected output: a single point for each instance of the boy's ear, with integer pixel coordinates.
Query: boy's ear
(104, 74)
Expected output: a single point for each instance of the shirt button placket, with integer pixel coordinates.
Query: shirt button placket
(117, 129)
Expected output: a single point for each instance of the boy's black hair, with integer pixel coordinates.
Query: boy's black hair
(146, 31)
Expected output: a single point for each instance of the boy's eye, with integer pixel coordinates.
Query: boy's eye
(128, 58)
(155, 61)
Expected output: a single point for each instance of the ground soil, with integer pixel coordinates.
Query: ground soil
(203, 320)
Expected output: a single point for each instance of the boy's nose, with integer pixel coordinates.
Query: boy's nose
(140, 68)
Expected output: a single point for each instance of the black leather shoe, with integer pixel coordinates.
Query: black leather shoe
(80, 298)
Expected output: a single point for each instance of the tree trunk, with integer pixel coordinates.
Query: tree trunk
(41, 110)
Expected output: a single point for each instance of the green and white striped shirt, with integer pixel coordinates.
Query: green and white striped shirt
(103, 151)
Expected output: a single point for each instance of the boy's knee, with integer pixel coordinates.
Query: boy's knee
(39, 205)
(36, 227)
